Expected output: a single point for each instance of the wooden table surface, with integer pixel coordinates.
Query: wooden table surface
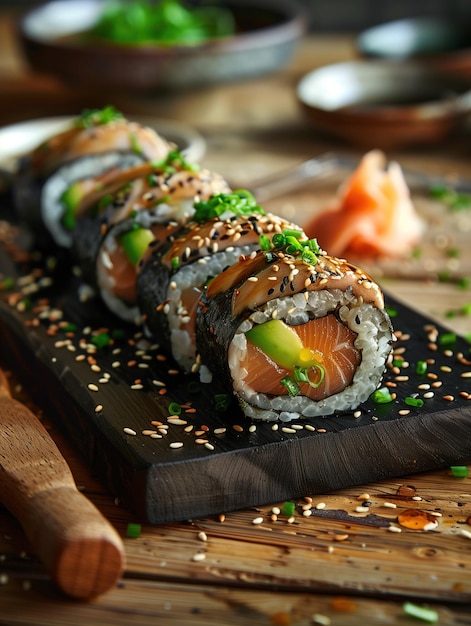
(340, 567)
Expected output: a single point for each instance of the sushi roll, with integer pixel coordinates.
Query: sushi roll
(110, 239)
(98, 141)
(294, 332)
(172, 277)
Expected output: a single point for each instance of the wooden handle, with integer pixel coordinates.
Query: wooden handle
(81, 550)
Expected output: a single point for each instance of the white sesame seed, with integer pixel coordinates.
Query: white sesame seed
(257, 520)
(129, 431)
(92, 387)
(98, 408)
(389, 505)
(176, 444)
(202, 536)
(320, 505)
(276, 510)
(465, 533)
(209, 446)
(199, 556)
(362, 509)
(395, 529)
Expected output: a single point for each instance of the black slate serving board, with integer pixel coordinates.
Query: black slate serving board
(226, 461)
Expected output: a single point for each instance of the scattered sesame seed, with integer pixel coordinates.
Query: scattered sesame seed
(176, 444)
(257, 520)
(449, 398)
(98, 408)
(199, 556)
(320, 506)
(92, 387)
(390, 505)
(209, 446)
(129, 431)
(394, 529)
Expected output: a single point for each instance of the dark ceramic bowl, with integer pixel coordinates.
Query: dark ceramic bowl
(442, 43)
(383, 104)
(266, 36)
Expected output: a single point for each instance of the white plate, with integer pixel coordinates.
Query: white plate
(20, 138)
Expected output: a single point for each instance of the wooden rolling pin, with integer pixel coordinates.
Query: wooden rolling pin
(80, 549)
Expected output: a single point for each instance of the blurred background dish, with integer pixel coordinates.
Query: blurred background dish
(440, 42)
(380, 104)
(266, 33)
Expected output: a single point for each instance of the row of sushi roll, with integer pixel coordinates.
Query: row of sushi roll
(230, 290)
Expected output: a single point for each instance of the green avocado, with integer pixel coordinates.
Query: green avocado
(135, 243)
(71, 199)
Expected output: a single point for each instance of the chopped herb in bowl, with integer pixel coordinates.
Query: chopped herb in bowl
(164, 23)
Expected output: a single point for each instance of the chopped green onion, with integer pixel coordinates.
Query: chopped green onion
(135, 145)
(382, 396)
(447, 339)
(291, 385)
(174, 161)
(133, 530)
(164, 23)
(174, 408)
(265, 243)
(98, 117)
(101, 340)
(175, 263)
(288, 509)
(398, 362)
(414, 610)
(240, 202)
(222, 401)
(391, 311)
(464, 282)
(411, 401)
(421, 367)
(193, 387)
(466, 309)
(279, 240)
(69, 327)
(459, 471)
(7, 283)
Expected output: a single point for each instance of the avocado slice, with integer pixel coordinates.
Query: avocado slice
(135, 243)
(71, 198)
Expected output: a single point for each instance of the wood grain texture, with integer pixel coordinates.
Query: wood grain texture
(79, 547)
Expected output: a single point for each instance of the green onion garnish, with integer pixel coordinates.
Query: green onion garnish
(175, 161)
(7, 283)
(174, 408)
(175, 262)
(240, 202)
(420, 612)
(391, 311)
(98, 117)
(447, 339)
(421, 367)
(382, 396)
(459, 471)
(264, 242)
(101, 340)
(133, 530)
(411, 401)
(193, 387)
(288, 509)
(291, 385)
(222, 401)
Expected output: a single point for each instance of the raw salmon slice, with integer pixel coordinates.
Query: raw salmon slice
(326, 336)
